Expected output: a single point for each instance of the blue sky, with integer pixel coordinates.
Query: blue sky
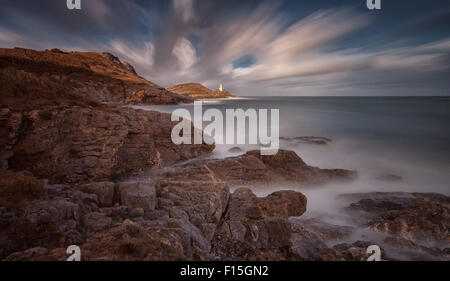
(291, 47)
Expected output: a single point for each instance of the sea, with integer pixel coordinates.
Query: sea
(408, 137)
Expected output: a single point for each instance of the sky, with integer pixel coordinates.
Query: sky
(255, 48)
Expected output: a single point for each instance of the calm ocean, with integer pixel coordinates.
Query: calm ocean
(404, 136)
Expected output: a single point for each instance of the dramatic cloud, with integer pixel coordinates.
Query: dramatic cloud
(256, 48)
(185, 53)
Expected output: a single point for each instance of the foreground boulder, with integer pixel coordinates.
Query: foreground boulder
(257, 228)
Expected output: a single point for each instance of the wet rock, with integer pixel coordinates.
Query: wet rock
(424, 222)
(422, 218)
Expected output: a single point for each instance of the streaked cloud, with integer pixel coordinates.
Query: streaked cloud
(201, 41)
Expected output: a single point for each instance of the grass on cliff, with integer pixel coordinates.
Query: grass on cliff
(28, 90)
(18, 188)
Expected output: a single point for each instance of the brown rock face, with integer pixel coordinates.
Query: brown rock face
(198, 91)
(75, 144)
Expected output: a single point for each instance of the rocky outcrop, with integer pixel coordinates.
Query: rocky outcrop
(173, 218)
(74, 144)
(198, 91)
(165, 219)
(60, 117)
(253, 169)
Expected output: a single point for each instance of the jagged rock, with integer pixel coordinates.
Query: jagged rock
(137, 195)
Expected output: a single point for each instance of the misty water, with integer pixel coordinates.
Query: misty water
(376, 136)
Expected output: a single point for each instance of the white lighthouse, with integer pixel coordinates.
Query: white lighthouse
(221, 88)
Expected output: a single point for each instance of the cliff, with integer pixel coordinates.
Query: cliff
(198, 91)
(62, 117)
(75, 76)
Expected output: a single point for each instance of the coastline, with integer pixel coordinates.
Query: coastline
(86, 169)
